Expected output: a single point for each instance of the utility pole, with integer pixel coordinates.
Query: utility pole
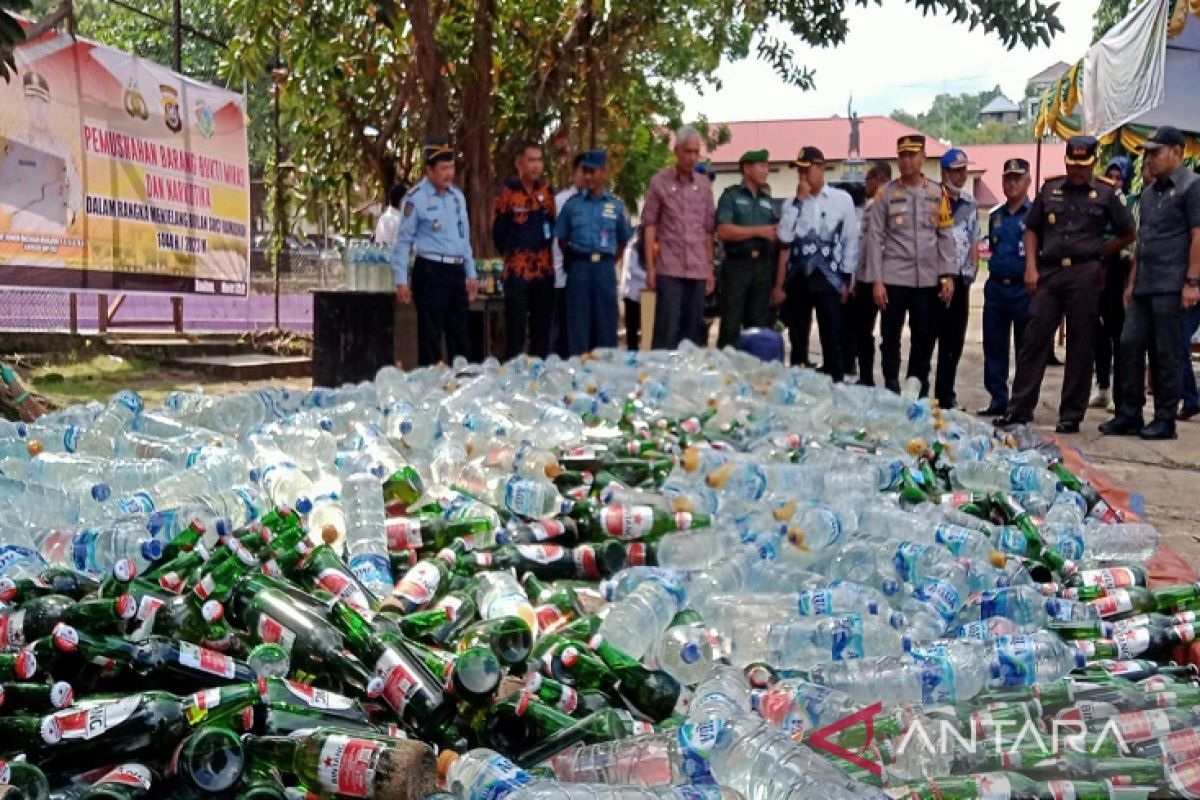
(278, 76)
(177, 35)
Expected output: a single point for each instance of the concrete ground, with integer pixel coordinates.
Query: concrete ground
(1165, 473)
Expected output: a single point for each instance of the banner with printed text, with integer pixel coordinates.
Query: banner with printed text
(120, 175)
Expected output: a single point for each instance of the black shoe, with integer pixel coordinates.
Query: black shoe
(994, 410)
(892, 387)
(1008, 420)
(1121, 426)
(1159, 429)
(1066, 426)
(1187, 413)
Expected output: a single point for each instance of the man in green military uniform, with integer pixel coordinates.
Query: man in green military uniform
(746, 224)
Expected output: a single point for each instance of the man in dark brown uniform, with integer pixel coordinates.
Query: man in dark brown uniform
(1064, 245)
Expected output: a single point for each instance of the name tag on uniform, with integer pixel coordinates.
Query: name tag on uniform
(610, 211)
(741, 201)
(765, 203)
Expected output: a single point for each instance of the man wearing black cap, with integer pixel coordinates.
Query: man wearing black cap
(592, 229)
(1165, 281)
(910, 260)
(435, 231)
(746, 222)
(1064, 244)
(820, 227)
(1005, 298)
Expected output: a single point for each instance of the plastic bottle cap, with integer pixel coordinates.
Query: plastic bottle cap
(690, 460)
(720, 476)
(35, 447)
(785, 512)
(445, 759)
(303, 505)
(552, 470)
(329, 534)
(997, 559)
(916, 447)
(690, 653)
(152, 549)
(101, 492)
(795, 537)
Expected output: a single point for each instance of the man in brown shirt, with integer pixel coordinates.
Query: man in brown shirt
(679, 217)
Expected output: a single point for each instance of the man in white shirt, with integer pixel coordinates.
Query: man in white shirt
(821, 231)
(558, 334)
(389, 222)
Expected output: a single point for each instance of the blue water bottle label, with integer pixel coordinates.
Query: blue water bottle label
(941, 595)
(905, 559)
(697, 740)
(505, 778)
(11, 555)
(1014, 665)
(937, 675)
(952, 537)
(847, 638)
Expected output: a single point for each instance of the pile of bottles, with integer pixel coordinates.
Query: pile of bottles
(368, 268)
(636, 575)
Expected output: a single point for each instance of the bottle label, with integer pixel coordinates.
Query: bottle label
(846, 637)
(1141, 726)
(419, 584)
(1011, 540)
(450, 604)
(347, 765)
(992, 786)
(1182, 745)
(504, 778)
(977, 630)
(1062, 790)
(993, 603)
(524, 497)
(403, 533)
(365, 568)
(816, 603)
(544, 530)
(1130, 623)
(941, 595)
(636, 554)
(399, 684)
(129, 775)
(1088, 712)
(937, 676)
(1185, 779)
(627, 522)
(1110, 579)
(205, 660)
(697, 740)
(12, 555)
(1119, 602)
(542, 553)
(952, 537)
(905, 559)
(312, 697)
(1015, 661)
(568, 701)
(1132, 643)
(585, 562)
(12, 630)
(147, 609)
(199, 704)
(94, 720)
(271, 631)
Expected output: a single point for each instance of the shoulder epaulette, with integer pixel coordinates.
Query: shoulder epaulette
(1107, 180)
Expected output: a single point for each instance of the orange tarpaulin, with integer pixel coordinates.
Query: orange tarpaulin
(1166, 568)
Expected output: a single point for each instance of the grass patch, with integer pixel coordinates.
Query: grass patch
(98, 378)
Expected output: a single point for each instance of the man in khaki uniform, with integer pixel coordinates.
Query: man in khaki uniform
(746, 222)
(910, 261)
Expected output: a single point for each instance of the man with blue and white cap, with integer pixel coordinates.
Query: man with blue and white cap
(960, 210)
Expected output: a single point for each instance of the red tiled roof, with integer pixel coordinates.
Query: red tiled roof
(784, 138)
(990, 158)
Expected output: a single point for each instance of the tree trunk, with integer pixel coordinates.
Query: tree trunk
(475, 135)
(428, 59)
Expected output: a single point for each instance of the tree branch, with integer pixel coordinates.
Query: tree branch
(48, 22)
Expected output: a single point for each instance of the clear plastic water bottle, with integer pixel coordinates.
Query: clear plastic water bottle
(944, 673)
(987, 476)
(501, 596)
(686, 650)
(100, 437)
(1034, 658)
(799, 642)
(531, 498)
(634, 624)
(1125, 542)
(366, 537)
(96, 550)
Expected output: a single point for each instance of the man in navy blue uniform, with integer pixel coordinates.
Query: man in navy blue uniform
(1005, 298)
(434, 229)
(592, 229)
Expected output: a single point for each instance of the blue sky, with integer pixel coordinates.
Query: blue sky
(893, 58)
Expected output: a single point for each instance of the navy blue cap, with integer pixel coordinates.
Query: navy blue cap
(595, 159)
(954, 158)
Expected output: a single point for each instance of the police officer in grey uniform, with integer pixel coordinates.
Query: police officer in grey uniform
(910, 261)
(435, 232)
(1064, 246)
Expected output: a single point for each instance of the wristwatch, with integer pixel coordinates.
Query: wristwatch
(1192, 282)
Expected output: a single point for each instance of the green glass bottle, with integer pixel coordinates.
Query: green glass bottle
(123, 782)
(432, 533)
(564, 698)
(261, 781)
(1110, 578)
(979, 786)
(1125, 602)
(323, 569)
(426, 581)
(509, 638)
(210, 760)
(339, 764)
(26, 777)
(39, 616)
(1082, 629)
(652, 692)
(471, 675)
(629, 523)
(1183, 597)
(36, 698)
(186, 540)
(404, 486)
(559, 530)
(568, 596)
(1083, 766)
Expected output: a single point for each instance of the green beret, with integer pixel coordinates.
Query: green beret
(754, 157)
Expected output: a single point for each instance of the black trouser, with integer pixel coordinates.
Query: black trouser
(920, 306)
(558, 333)
(679, 312)
(865, 314)
(804, 296)
(1112, 319)
(1152, 326)
(528, 310)
(439, 293)
(1075, 292)
(951, 335)
(633, 324)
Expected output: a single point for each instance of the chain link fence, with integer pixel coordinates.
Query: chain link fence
(301, 272)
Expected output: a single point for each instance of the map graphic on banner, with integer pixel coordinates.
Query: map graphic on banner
(118, 174)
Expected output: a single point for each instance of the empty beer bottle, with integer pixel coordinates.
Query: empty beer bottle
(123, 782)
(27, 777)
(652, 692)
(209, 760)
(509, 638)
(471, 675)
(427, 579)
(39, 616)
(345, 765)
(558, 530)
(323, 569)
(432, 533)
(35, 698)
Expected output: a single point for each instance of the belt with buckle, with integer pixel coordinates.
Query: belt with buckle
(583, 255)
(440, 259)
(1007, 281)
